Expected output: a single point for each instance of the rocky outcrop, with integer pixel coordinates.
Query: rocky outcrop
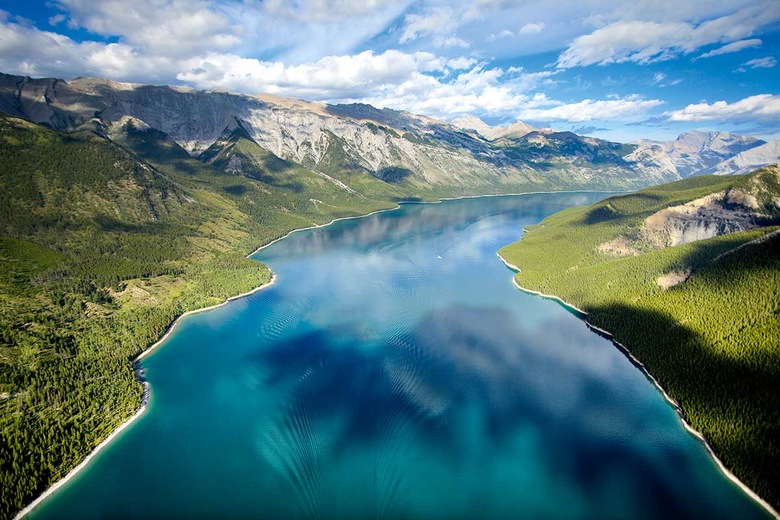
(467, 156)
(714, 215)
(728, 211)
(696, 153)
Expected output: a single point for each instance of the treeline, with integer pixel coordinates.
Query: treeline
(100, 253)
(711, 340)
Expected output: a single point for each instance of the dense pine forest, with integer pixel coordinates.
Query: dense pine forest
(102, 246)
(104, 243)
(711, 337)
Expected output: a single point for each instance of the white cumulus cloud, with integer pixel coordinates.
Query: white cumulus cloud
(625, 108)
(531, 28)
(643, 41)
(494, 92)
(324, 10)
(437, 21)
(174, 28)
(504, 33)
(758, 108)
(332, 77)
(27, 50)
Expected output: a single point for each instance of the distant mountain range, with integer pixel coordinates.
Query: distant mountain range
(698, 153)
(339, 141)
(123, 206)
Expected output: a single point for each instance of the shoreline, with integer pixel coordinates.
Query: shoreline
(144, 402)
(317, 226)
(72, 473)
(443, 199)
(581, 314)
(175, 322)
(147, 388)
(642, 368)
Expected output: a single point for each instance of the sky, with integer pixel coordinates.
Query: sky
(613, 69)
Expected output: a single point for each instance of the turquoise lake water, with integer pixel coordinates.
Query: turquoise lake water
(394, 371)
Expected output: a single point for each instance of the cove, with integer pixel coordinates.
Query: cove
(394, 371)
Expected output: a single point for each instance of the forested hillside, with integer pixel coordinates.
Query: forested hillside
(100, 251)
(702, 316)
(107, 233)
(349, 142)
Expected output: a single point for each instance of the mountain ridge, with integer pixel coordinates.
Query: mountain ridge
(460, 157)
(437, 155)
(699, 153)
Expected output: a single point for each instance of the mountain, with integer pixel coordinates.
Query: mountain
(749, 160)
(686, 278)
(415, 153)
(107, 233)
(698, 153)
(470, 123)
(695, 152)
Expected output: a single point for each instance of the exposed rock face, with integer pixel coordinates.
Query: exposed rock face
(478, 126)
(721, 213)
(669, 280)
(747, 161)
(696, 153)
(717, 214)
(653, 158)
(332, 139)
(707, 217)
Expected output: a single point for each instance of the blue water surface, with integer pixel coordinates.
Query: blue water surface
(394, 371)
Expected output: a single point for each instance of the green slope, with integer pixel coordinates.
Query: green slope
(101, 250)
(712, 341)
(104, 242)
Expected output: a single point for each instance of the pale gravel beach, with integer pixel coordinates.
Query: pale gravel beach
(516, 269)
(147, 392)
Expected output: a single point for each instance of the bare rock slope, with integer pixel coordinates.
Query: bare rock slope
(728, 211)
(392, 145)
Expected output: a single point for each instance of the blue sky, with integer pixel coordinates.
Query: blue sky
(607, 68)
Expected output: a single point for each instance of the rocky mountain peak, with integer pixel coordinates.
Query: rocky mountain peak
(477, 125)
(697, 152)
(360, 138)
(473, 123)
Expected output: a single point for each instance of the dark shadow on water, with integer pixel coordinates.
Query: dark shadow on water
(453, 356)
(735, 403)
(461, 359)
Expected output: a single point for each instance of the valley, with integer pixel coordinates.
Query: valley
(124, 206)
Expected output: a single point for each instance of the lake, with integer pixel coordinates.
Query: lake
(394, 371)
